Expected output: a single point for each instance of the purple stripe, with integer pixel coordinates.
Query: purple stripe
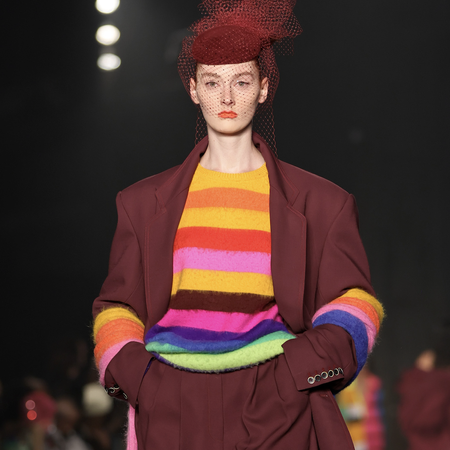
(197, 340)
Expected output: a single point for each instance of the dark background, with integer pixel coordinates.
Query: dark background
(364, 102)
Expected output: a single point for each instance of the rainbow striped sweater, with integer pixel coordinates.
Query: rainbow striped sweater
(222, 313)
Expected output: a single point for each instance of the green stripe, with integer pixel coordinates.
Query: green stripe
(169, 348)
(251, 354)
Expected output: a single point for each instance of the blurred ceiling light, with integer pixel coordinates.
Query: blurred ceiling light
(107, 6)
(108, 61)
(107, 35)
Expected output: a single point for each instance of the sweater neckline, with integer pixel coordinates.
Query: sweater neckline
(252, 175)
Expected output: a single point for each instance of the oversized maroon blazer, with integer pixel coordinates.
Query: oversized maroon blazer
(317, 255)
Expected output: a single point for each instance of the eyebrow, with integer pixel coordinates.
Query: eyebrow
(209, 74)
(215, 75)
(244, 73)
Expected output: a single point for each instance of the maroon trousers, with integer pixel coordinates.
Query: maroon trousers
(258, 408)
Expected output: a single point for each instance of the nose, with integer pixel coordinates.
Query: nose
(227, 95)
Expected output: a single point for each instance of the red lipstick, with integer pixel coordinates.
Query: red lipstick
(228, 115)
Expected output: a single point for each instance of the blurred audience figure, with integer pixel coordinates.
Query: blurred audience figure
(424, 409)
(67, 409)
(68, 367)
(97, 407)
(360, 405)
(28, 415)
(63, 434)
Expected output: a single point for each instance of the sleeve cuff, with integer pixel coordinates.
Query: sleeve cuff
(320, 356)
(125, 372)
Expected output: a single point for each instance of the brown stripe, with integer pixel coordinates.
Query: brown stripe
(221, 301)
(223, 239)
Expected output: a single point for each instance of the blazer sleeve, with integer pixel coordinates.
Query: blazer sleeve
(120, 314)
(347, 315)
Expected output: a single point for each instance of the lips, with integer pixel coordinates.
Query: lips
(227, 115)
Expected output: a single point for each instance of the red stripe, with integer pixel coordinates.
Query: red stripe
(223, 239)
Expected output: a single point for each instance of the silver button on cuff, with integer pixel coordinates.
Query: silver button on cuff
(112, 390)
(324, 375)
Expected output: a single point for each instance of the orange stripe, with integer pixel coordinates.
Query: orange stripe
(363, 306)
(118, 322)
(223, 239)
(228, 198)
(114, 332)
(119, 326)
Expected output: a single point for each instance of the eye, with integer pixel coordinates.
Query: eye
(242, 83)
(211, 84)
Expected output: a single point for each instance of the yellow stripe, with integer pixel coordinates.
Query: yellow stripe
(232, 218)
(204, 180)
(114, 313)
(363, 295)
(212, 280)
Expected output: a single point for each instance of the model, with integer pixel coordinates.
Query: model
(238, 297)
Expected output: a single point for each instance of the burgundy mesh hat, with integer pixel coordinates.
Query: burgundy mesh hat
(234, 32)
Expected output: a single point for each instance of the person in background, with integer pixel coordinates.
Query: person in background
(424, 390)
(64, 435)
(29, 416)
(360, 405)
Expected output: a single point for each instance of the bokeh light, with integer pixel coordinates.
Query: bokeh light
(30, 404)
(107, 35)
(107, 6)
(108, 61)
(31, 415)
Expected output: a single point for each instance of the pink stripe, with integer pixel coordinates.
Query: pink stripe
(216, 320)
(108, 356)
(356, 312)
(226, 261)
(131, 431)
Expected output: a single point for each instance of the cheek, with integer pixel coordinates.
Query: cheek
(248, 102)
(209, 103)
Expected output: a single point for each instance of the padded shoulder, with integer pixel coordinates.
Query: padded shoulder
(307, 181)
(142, 188)
(316, 195)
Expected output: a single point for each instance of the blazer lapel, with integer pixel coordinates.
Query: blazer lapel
(288, 231)
(160, 234)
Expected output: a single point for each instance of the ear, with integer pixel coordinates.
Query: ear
(193, 91)
(264, 90)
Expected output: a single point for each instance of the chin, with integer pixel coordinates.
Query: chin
(229, 127)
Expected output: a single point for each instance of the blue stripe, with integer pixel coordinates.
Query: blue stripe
(354, 327)
(195, 340)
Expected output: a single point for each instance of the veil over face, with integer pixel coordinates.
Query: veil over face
(228, 95)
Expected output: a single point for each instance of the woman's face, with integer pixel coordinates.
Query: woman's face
(228, 95)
